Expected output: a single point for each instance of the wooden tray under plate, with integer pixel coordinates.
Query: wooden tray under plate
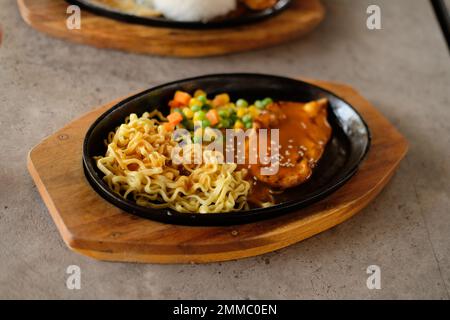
(50, 16)
(93, 227)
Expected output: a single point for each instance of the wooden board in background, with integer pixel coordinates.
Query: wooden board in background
(50, 16)
(93, 227)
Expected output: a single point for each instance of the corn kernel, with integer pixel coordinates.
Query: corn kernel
(254, 112)
(241, 112)
(199, 93)
(194, 102)
(239, 125)
(229, 106)
(188, 113)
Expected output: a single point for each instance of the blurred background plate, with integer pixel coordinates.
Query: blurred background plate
(49, 16)
(241, 17)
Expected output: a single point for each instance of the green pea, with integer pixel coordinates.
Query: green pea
(224, 113)
(259, 104)
(196, 108)
(202, 99)
(241, 103)
(200, 115)
(225, 123)
(247, 118)
(206, 123)
(233, 117)
(267, 101)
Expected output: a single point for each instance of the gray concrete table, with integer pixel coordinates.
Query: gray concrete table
(404, 69)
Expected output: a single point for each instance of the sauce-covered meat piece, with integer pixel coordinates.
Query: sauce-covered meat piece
(303, 134)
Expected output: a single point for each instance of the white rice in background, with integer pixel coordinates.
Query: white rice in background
(193, 10)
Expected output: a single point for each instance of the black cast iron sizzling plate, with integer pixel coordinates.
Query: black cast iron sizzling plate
(343, 154)
(245, 18)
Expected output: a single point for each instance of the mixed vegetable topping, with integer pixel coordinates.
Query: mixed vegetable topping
(220, 112)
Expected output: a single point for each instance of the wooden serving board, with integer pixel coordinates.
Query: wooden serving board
(50, 16)
(93, 227)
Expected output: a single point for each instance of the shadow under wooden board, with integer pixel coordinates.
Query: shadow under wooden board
(92, 226)
(49, 16)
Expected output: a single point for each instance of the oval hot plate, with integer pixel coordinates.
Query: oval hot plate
(343, 154)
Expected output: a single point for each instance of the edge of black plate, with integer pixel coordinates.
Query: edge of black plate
(217, 219)
(254, 17)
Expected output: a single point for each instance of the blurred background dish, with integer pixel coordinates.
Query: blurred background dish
(159, 36)
(186, 14)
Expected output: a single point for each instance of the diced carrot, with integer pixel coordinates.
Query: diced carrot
(221, 100)
(174, 104)
(175, 118)
(213, 117)
(168, 126)
(182, 98)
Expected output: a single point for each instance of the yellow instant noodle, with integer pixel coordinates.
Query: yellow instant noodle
(137, 165)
